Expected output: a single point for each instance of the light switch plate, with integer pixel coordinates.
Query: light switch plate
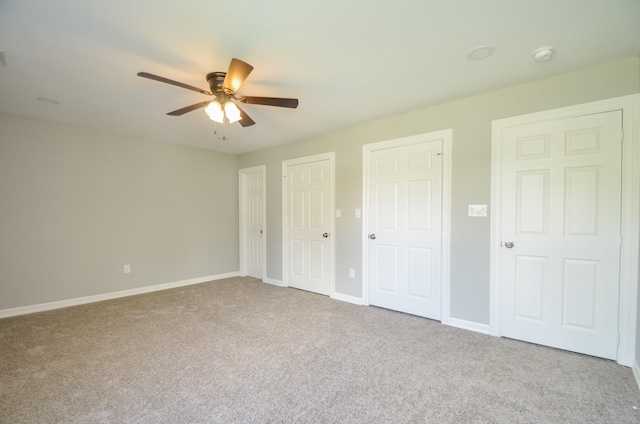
(477, 210)
(338, 213)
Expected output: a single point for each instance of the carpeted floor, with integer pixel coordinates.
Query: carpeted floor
(241, 351)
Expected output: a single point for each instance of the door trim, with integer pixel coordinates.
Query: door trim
(242, 197)
(630, 210)
(330, 156)
(446, 136)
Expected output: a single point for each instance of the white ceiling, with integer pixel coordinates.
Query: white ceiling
(347, 61)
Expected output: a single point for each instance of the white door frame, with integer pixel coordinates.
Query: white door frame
(630, 107)
(446, 136)
(331, 157)
(242, 176)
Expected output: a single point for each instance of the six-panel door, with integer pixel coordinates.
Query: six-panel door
(405, 192)
(561, 193)
(308, 226)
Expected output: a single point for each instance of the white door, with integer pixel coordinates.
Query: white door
(252, 212)
(560, 233)
(405, 231)
(308, 198)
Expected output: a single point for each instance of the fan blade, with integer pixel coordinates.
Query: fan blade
(245, 120)
(172, 82)
(188, 109)
(270, 101)
(237, 73)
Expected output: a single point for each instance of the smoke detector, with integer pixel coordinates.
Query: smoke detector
(543, 54)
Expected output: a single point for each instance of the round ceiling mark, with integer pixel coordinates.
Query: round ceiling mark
(48, 101)
(480, 53)
(543, 54)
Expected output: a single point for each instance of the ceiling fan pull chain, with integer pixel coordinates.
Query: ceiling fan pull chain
(215, 131)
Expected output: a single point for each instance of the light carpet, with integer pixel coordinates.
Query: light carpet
(241, 351)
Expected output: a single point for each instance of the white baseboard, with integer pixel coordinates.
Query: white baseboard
(469, 325)
(347, 298)
(636, 372)
(274, 282)
(23, 310)
(336, 296)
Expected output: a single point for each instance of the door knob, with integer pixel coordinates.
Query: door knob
(508, 244)
(325, 235)
(372, 236)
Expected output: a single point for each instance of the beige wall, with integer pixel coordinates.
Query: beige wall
(470, 119)
(77, 204)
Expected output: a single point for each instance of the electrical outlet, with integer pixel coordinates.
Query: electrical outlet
(352, 273)
(127, 269)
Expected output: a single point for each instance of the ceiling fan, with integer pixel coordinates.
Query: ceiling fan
(224, 87)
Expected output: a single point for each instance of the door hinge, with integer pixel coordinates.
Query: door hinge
(620, 240)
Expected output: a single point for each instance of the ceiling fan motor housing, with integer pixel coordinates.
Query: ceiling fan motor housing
(215, 80)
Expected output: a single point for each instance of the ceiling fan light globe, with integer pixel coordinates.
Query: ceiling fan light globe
(232, 112)
(214, 112)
